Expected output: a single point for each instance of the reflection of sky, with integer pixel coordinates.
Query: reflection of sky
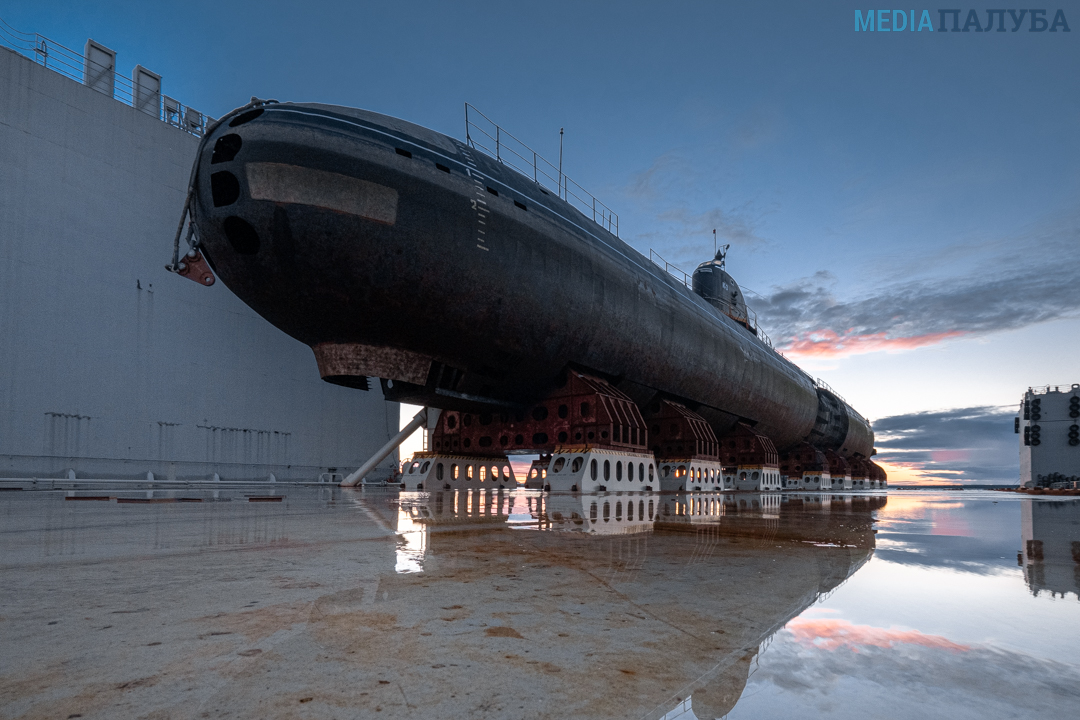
(412, 542)
(936, 530)
(939, 623)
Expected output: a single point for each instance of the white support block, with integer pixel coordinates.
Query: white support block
(691, 475)
(458, 472)
(758, 478)
(591, 471)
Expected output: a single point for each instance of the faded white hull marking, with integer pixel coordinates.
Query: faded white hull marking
(279, 182)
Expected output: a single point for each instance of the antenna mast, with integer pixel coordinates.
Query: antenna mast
(560, 163)
(721, 255)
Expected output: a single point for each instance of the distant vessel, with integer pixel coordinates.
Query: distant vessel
(1049, 427)
(400, 253)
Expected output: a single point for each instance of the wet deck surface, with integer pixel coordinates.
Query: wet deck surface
(350, 604)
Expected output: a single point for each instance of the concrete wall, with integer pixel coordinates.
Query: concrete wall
(110, 365)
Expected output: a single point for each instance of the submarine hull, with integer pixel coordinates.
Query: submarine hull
(399, 253)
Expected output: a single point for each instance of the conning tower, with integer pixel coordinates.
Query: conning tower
(712, 282)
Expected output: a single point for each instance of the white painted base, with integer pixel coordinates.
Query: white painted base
(458, 472)
(758, 478)
(599, 470)
(812, 481)
(691, 475)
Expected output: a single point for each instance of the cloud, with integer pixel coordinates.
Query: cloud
(833, 634)
(737, 226)
(1030, 278)
(760, 126)
(666, 191)
(807, 318)
(974, 444)
(669, 172)
(686, 237)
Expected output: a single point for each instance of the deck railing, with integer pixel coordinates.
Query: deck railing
(102, 77)
(482, 133)
(818, 382)
(733, 312)
(1043, 389)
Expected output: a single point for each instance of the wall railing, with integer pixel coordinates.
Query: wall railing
(484, 134)
(99, 73)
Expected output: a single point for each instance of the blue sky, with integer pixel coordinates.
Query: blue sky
(902, 205)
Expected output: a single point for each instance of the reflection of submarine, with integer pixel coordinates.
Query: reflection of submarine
(400, 253)
(638, 622)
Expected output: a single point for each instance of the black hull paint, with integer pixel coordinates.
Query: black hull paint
(504, 300)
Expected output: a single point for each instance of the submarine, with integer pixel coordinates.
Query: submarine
(400, 254)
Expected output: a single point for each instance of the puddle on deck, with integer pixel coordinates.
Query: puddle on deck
(330, 603)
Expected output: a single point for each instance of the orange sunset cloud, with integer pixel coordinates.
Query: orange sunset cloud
(914, 473)
(829, 343)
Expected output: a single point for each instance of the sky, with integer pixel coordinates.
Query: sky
(902, 206)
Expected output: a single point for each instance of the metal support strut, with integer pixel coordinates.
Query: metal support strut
(354, 478)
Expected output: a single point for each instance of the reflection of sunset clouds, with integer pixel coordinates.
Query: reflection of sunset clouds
(900, 510)
(925, 514)
(947, 523)
(905, 505)
(833, 634)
